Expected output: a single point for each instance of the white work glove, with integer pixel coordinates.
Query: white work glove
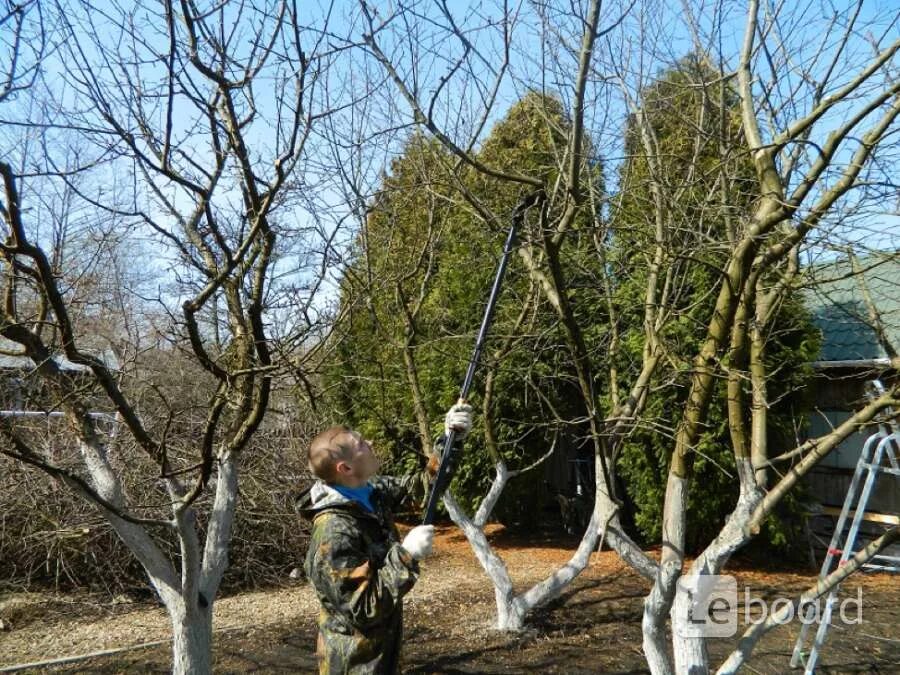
(419, 541)
(459, 420)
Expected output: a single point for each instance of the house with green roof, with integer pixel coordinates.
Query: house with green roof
(22, 392)
(856, 305)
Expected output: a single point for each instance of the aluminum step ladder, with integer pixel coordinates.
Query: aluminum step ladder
(879, 457)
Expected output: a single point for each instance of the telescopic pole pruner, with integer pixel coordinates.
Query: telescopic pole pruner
(445, 470)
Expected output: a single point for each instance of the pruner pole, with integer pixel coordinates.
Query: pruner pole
(444, 473)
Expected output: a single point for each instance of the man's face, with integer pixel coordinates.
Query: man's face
(361, 464)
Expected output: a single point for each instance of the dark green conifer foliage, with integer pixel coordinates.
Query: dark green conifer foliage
(424, 242)
(707, 183)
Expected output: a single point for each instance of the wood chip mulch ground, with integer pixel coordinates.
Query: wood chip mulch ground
(593, 628)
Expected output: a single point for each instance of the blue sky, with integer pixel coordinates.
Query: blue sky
(350, 148)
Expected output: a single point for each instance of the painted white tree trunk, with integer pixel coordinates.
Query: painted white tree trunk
(604, 523)
(191, 637)
(509, 613)
(188, 597)
(653, 625)
(689, 653)
(611, 532)
(658, 602)
(218, 532)
(512, 609)
(691, 656)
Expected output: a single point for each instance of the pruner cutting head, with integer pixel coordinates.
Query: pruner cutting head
(533, 199)
(874, 389)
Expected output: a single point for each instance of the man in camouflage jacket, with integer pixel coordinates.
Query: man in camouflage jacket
(356, 562)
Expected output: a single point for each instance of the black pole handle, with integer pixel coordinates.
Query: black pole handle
(441, 481)
(445, 469)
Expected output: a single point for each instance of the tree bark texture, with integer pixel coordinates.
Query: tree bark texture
(191, 637)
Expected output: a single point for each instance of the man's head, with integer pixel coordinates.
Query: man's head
(342, 456)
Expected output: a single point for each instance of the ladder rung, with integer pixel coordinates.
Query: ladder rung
(837, 551)
(884, 469)
(849, 516)
(871, 516)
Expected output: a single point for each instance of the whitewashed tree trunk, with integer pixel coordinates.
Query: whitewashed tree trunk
(191, 637)
(189, 599)
(690, 655)
(653, 625)
(611, 532)
(690, 652)
(604, 523)
(511, 608)
(510, 615)
(218, 533)
(658, 602)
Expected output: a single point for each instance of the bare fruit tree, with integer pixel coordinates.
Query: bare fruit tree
(803, 128)
(846, 109)
(191, 123)
(544, 238)
(195, 124)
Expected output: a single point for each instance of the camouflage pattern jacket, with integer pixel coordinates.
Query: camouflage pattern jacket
(360, 573)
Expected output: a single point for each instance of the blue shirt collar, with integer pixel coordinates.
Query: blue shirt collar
(362, 495)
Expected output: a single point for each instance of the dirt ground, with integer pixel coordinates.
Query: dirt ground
(593, 628)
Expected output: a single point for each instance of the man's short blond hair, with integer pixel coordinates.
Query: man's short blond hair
(327, 449)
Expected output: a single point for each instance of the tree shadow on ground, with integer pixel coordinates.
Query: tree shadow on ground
(586, 603)
(524, 652)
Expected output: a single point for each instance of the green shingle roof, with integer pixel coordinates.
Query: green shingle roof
(12, 358)
(836, 297)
